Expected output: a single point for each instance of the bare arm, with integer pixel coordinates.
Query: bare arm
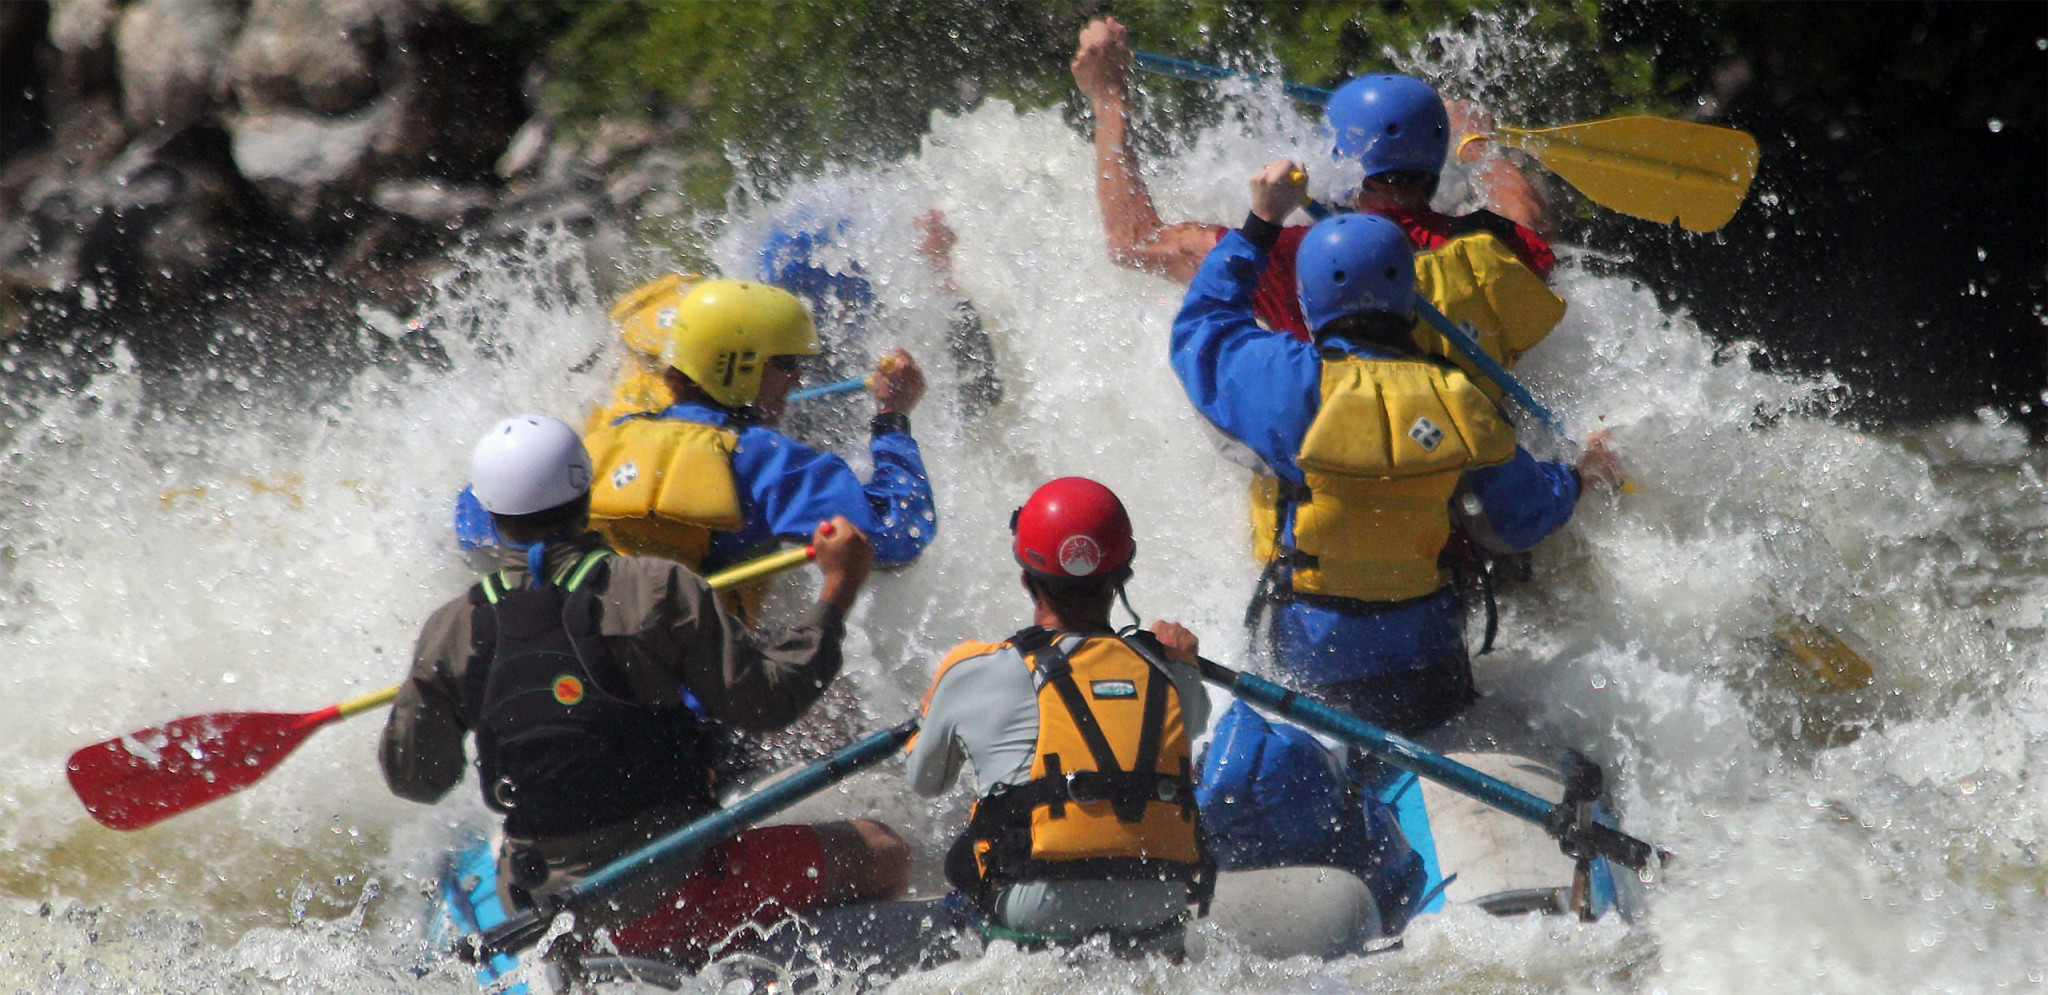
(1137, 238)
(1508, 190)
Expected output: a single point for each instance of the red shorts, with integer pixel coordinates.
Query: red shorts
(754, 879)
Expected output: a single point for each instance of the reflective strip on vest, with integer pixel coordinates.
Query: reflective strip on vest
(662, 487)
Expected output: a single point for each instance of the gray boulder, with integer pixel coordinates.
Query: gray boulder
(327, 58)
(169, 54)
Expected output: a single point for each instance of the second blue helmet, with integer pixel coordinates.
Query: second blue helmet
(1352, 264)
(1390, 123)
(789, 259)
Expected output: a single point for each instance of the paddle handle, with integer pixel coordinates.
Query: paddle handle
(363, 704)
(1313, 207)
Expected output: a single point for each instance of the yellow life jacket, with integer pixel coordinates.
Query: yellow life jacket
(1111, 794)
(644, 318)
(640, 388)
(1474, 278)
(1477, 279)
(1380, 462)
(661, 487)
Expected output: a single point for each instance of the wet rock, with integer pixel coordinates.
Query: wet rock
(327, 57)
(526, 152)
(433, 202)
(159, 216)
(158, 150)
(169, 54)
(82, 34)
(308, 166)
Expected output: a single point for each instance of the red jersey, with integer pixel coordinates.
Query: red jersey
(1279, 304)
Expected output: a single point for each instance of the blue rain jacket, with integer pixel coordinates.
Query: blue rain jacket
(1264, 390)
(787, 488)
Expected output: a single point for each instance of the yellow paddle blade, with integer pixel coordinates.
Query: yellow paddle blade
(1820, 658)
(1649, 167)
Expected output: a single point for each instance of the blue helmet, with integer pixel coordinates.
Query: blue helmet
(1351, 264)
(789, 261)
(1390, 123)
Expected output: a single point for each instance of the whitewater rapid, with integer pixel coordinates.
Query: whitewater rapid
(264, 546)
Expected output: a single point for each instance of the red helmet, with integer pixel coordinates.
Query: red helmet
(1073, 529)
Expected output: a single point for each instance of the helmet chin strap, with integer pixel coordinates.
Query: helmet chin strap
(1136, 622)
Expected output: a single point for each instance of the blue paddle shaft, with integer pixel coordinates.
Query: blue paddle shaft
(685, 845)
(1181, 68)
(1575, 836)
(1397, 750)
(1462, 340)
(827, 390)
(680, 849)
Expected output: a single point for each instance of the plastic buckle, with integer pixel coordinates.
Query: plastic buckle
(1084, 787)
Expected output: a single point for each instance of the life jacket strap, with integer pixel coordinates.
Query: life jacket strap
(571, 576)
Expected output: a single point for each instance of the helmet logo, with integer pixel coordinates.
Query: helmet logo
(665, 318)
(737, 363)
(624, 476)
(1079, 556)
(568, 690)
(1426, 434)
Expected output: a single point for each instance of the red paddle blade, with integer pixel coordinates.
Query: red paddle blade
(145, 777)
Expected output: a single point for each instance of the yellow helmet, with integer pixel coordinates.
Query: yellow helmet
(645, 315)
(725, 331)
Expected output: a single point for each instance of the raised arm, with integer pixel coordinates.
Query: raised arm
(1508, 190)
(1136, 236)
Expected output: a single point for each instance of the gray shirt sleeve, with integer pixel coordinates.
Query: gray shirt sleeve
(935, 756)
(983, 713)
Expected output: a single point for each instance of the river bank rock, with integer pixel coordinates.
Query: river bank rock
(157, 151)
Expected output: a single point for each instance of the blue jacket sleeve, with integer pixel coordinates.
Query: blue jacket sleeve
(787, 488)
(1260, 387)
(900, 492)
(1524, 499)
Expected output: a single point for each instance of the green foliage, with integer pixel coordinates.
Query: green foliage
(790, 84)
(787, 85)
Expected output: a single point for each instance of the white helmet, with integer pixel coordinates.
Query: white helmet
(529, 463)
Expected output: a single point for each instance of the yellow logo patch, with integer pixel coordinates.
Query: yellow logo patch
(568, 690)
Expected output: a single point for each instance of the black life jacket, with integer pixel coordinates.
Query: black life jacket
(562, 747)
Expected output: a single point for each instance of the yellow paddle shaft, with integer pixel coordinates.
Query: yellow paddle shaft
(366, 702)
(752, 570)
